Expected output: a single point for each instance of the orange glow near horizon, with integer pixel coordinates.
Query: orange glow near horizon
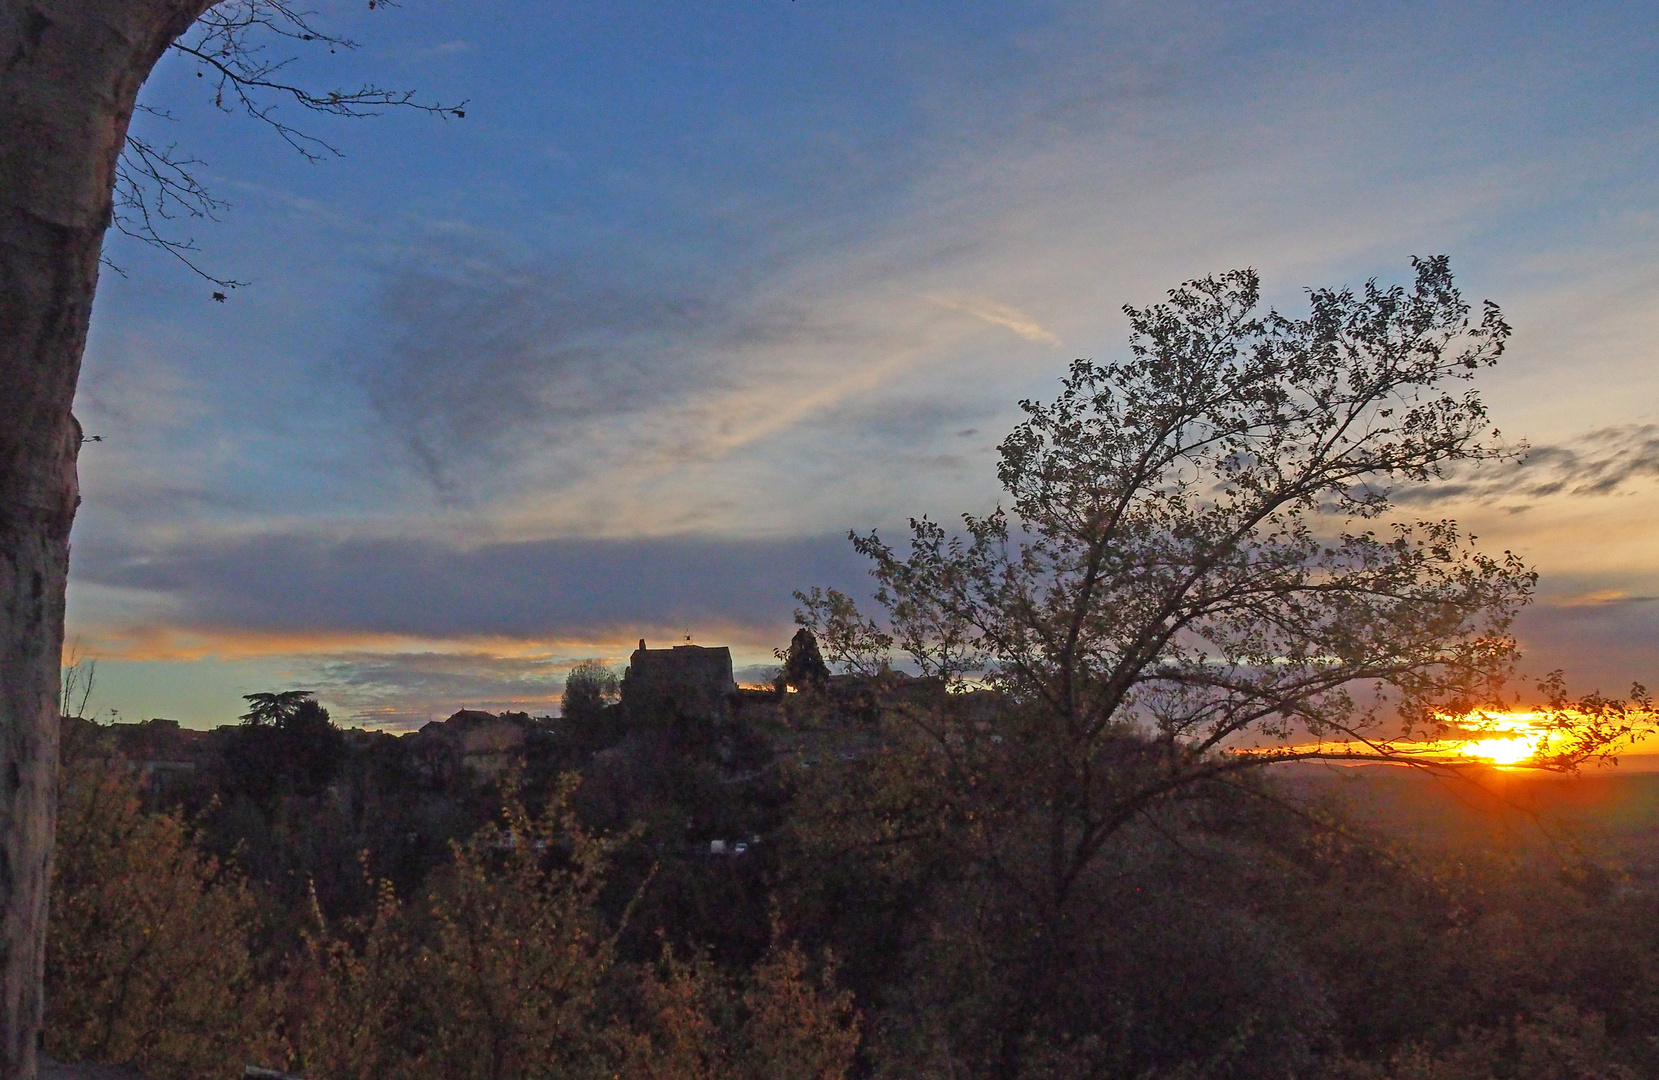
(143, 644)
(1502, 739)
(1505, 739)
(1502, 752)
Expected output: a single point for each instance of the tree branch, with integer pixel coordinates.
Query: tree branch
(155, 185)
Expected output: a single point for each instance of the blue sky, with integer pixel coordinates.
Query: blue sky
(694, 288)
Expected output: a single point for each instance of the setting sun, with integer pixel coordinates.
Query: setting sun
(1505, 751)
(1502, 738)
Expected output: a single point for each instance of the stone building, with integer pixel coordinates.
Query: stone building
(485, 741)
(686, 680)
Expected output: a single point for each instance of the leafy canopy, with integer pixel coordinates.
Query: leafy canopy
(589, 687)
(1201, 539)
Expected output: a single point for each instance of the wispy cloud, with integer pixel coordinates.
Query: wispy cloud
(404, 690)
(1010, 318)
(477, 358)
(1600, 462)
(1600, 644)
(1599, 598)
(446, 48)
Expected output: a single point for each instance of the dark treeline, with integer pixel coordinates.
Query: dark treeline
(450, 903)
(354, 904)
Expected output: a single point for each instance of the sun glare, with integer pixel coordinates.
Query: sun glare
(1505, 751)
(1505, 740)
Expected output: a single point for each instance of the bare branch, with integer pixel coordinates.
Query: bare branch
(232, 43)
(154, 186)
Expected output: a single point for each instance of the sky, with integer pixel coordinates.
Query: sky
(694, 288)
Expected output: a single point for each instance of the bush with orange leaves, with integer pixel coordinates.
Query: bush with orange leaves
(350, 994)
(506, 971)
(503, 970)
(495, 975)
(777, 1023)
(516, 951)
(147, 957)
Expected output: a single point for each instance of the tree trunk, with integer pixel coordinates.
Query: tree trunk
(69, 75)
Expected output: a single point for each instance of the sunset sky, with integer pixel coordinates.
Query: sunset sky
(696, 287)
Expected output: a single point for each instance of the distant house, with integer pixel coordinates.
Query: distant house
(485, 741)
(687, 680)
(168, 757)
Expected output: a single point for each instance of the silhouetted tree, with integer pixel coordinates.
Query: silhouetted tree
(275, 710)
(286, 745)
(589, 687)
(803, 664)
(69, 84)
(1201, 546)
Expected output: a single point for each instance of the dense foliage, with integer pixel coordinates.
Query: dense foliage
(503, 964)
(1255, 930)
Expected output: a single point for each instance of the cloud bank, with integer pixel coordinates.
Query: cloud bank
(570, 589)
